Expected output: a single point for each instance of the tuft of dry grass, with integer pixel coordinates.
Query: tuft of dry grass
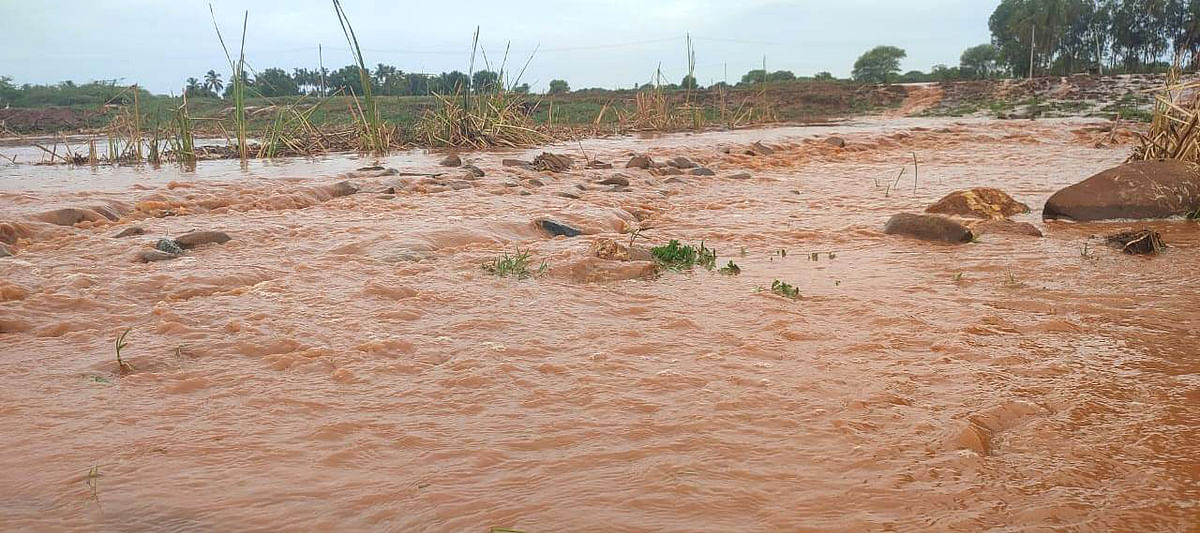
(1175, 127)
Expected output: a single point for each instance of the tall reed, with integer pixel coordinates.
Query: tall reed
(238, 90)
(375, 134)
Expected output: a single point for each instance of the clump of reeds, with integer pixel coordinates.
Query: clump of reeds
(1175, 127)
(182, 142)
(495, 116)
(238, 90)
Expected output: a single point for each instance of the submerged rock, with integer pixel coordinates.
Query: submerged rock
(758, 148)
(130, 232)
(610, 249)
(599, 165)
(701, 171)
(1137, 242)
(983, 227)
(1143, 189)
(552, 162)
(640, 161)
(516, 163)
(682, 163)
(11, 232)
(597, 270)
(451, 160)
(928, 227)
(4, 251)
(836, 141)
(980, 202)
(343, 188)
(151, 255)
(191, 240)
(615, 180)
(740, 176)
(556, 229)
(70, 216)
(473, 171)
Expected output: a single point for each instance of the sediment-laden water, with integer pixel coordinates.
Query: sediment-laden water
(345, 363)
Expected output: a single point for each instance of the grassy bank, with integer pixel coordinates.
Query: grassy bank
(585, 110)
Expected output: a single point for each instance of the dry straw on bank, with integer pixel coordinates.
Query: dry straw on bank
(1175, 128)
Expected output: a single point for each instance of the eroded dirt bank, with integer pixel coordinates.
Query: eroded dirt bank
(344, 362)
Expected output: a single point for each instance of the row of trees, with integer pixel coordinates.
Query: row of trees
(386, 80)
(67, 93)
(1054, 37)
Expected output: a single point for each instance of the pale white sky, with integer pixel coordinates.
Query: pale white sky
(590, 43)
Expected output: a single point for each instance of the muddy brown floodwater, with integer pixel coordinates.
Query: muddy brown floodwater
(345, 363)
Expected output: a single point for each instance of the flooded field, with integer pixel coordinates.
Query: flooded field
(344, 362)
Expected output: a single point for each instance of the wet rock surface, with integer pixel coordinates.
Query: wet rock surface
(640, 161)
(452, 160)
(151, 255)
(758, 148)
(928, 227)
(981, 202)
(552, 162)
(193, 239)
(1007, 227)
(681, 163)
(615, 180)
(558, 229)
(130, 232)
(1140, 190)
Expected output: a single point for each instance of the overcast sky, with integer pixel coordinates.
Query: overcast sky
(590, 43)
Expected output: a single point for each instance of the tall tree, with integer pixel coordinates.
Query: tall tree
(275, 82)
(979, 61)
(879, 64)
(558, 87)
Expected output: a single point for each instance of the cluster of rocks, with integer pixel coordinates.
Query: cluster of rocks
(961, 216)
(676, 166)
(1136, 190)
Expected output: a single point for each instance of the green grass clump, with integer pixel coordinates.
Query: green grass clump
(514, 266)
(785, 290)
(677, 256)
(730, 269)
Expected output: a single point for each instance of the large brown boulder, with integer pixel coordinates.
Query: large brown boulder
(980, 202)
(929, 228)
(1143, 189)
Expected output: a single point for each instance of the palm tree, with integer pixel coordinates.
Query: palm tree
(212, 82)
(193, 87)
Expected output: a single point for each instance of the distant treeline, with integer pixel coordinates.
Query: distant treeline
(1070, 36)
